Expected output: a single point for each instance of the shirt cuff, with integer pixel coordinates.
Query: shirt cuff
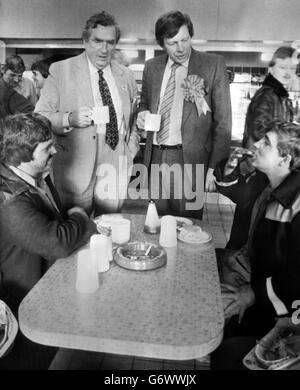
(65, 122)
(278, 305)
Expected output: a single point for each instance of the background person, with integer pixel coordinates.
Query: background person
(40, 71)
(72, 89)
(13, 75)
(186, 136)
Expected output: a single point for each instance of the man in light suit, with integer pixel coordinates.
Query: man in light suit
(67, 99)
(199, 131)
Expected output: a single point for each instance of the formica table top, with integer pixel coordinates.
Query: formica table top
(173, 312)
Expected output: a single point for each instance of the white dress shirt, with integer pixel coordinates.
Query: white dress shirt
(109, 78)
(174, 137)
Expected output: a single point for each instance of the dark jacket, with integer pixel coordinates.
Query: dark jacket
(11, 102)
(270, 102)
(32, 230)
(273, 244)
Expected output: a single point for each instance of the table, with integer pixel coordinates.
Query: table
(173, 312)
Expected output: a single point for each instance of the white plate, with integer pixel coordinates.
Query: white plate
(182, 220)
(206, 238)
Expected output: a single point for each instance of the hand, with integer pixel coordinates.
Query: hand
(81, 117)
(210, 185)
(77, 209)
(140, 122)
(235, 157)
(241, 298)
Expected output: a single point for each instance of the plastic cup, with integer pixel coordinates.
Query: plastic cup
(87, 275)
(168, 232)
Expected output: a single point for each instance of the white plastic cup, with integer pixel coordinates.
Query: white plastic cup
(87, 272)
(120, 230)
(168, 232)
(99, 250)
(152, 122)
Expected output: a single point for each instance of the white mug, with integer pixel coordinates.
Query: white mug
(152, 122)
(120, 230)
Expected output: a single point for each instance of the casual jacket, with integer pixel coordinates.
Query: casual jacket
(32, 230)
(273, 245)
(270, 102)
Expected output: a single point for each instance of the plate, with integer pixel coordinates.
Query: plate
(206, 238)
(180, 221)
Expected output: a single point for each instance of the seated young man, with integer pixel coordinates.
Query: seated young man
(273, 249)
(34, 229)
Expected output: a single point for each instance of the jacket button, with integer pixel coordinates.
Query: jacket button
(94, 137)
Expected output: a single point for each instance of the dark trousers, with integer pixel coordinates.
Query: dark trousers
(172, 190)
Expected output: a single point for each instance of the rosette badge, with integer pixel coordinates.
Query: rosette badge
(194, 90)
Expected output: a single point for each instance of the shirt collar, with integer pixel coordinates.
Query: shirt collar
(170, 62)
(94, 70)
(34, 182)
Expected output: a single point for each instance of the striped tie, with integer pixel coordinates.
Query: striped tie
(166, 106)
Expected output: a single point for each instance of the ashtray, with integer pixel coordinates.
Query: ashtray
(140, 256)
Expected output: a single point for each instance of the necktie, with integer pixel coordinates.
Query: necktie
(166, 106)
(112, 133)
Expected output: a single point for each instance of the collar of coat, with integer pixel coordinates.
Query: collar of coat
(287, 191)
(12, 183)
(276, 85)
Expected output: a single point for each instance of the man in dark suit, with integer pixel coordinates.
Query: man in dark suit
(195, 128)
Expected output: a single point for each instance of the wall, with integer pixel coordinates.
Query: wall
(65, 18)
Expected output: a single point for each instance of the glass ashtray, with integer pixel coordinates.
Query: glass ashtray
(140, 256)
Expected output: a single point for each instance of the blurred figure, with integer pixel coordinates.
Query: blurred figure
(13, 75)
(40, 71)
(11, 102)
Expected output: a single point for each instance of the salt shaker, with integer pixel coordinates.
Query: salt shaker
(152, 222)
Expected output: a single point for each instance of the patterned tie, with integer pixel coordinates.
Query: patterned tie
(166, 106)
(112, 133)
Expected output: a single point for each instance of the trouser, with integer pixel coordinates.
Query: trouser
(175, 189)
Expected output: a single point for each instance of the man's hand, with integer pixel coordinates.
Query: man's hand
(234, 159)
(77, 209)
(240, 299)
(140, 122)
(210, 185)
(81, 117)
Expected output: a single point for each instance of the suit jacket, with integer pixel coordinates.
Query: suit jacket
(68, 87)
(205, 139)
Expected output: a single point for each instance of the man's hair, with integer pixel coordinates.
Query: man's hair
(282, 52)
(104, 19)
(42, 66)
(19, 136)
(15, 63)
(288, 140)
(168, 25)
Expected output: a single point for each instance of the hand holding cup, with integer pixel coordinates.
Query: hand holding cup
(235, 158)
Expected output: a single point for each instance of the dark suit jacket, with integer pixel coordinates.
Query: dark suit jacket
(11, 102)
(205, 139)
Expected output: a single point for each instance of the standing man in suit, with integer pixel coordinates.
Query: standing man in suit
(93, 168)
(195, 128)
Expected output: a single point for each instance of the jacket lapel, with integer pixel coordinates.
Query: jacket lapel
(193, 69)
(123, 89)
(82, 76)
